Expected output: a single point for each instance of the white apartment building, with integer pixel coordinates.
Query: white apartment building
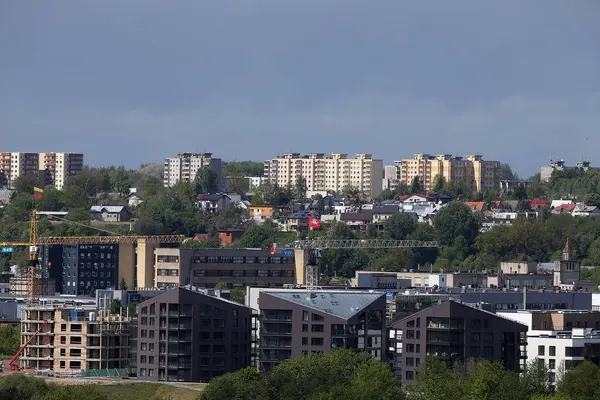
(327, 172)
(392, 175)
(59, 167)
(184, 167)
(562, 339)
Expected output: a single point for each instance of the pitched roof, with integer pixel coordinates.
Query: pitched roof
(211, 197)
(539, 203)
(565, 207)
(475, 205)
(568, 247)
(340, 304)
(109, 209)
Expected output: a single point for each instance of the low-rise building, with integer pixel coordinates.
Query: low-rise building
(110, 213)
(306, 322)
(562, 339)
(186, 335)
(261, 213)
(213, 202)
(454, 332)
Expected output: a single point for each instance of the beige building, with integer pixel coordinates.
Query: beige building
(60, 166)
(71, 341)
(184, 167)
(480, 174)
(327, 172)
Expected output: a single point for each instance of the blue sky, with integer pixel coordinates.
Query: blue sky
(128, 82)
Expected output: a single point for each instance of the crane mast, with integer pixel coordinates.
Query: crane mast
(33, 266)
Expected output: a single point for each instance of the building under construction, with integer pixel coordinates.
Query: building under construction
(72, 340)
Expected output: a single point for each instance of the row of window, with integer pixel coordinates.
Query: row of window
(168, 272)
(91, 256)
(100, 284)
(241, 260)
(88, 274)
(266, 273)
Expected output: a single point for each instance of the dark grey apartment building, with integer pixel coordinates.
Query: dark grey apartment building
(455, 332)
(235, 267)
(303, 322)
(81, 269)
(186, 335)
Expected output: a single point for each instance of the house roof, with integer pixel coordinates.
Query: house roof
(475, 205)
(302, 214)
(212, 197)
(343, 305)
(109, 209)
(565, 207)
(358, 216)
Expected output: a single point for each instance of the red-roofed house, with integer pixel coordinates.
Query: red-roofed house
(537, 204)
(475, 205)
(564, 208)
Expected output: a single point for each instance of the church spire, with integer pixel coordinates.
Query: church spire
(568, 250)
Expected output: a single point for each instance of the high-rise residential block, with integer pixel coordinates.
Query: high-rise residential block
(59, 167)
(480, 174)
(184, 167)
(327, 172)
(50, 168)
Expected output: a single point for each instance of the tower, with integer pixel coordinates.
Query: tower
(567, 271)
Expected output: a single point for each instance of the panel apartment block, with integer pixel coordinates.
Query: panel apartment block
(327, 172)
(184, 335)
(235, 267)
(184, 167)
(455, 332)
(304, 322)
(478, 173)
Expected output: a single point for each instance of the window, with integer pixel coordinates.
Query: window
(304, 327)
(488, 337)
(75, 339)
(410, 334)
(63, 364)
(551, 363)
(144, 346)
(75, 352)
(142, 359)
(410, 375)
(316, 341)
(304, 341)
(410, 348)
(410, 362)
(317, 328)
(63, 352)
(304, 315)
(476, 323)
(317, 317)
(475, 337)
(75, 365)
(541, 350)
(552, 351)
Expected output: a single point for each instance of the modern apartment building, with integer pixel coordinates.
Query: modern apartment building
(73, 340)
(481, 175)
(454, 332)
(392, 175)
(323, 173)
(81, 269)
(304, 322)
(235, 267)
(184, 167)
(561, 339)
(59, 167)
(185, 335)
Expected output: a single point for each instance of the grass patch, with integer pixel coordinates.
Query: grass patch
(146, 391)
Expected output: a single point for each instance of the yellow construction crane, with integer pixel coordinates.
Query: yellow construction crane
(33, 268)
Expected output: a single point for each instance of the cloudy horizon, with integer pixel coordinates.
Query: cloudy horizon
(134, 82)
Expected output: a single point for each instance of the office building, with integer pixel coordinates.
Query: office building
(392, 175)
(185, 335)
(184, 167)
(479, 174)
(561, 339)
(235, 267)
(454, 332)
(305, 322)
(323, 173)
(59, 167)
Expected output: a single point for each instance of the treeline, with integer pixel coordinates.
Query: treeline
(10, 339)
(343, 374)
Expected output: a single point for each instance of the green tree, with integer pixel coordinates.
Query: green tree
(581, 383)
(535, 379)
(244, 384)
(238, 184)
(454, 220)
(10, 337)
(416, 186)
(592, 199)
(119, 180)
(238, 295)
(243, 168)
(206, 181)
(400, 226)
(438, 183)
(300, 188)
(24, 184)
(115, 306)
(437, 382)
(74, 392)
(353, 197)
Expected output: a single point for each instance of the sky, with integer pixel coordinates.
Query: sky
(131, 82)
